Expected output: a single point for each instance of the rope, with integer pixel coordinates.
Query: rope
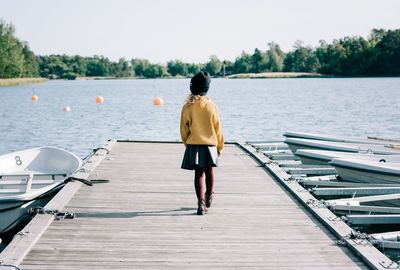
(99, 181)
(101, 148)
(57, 214)
(316, 203)
(84, 181)
(95, 150)
(90, 154)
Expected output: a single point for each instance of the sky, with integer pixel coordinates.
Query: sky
(191, 31)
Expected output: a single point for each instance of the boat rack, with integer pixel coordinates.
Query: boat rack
(357, 213)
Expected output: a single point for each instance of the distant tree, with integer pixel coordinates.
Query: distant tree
(275, 57)
(227, 68)
(258, 61)
(213, 66)
(78, 65)
(242, 63)
(31, 67)
(98, 66)
(355, 62)
(386, 54)
(154, 71)
(120, 68)
(194, 69)
(376, 35)
(177, 67)
(302, 59)
(16, 60)
(139, 66)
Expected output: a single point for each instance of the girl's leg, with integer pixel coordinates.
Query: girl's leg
(210, 185)
(200, 191)
(209, 180)
(199, 183)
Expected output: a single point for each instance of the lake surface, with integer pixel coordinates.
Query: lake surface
(250, 109)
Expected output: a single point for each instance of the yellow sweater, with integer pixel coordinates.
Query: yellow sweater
(200, 124)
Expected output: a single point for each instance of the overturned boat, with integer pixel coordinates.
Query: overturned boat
(29, 178)
(333, 138)
(383, 171)
(323, 157)
(297, 144)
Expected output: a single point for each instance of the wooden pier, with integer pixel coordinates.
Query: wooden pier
(144, 218)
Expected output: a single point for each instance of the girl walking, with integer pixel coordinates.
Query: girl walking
(202, 135)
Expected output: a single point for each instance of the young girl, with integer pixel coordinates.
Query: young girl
(201, 133)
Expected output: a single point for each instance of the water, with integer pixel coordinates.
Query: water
(261, 109)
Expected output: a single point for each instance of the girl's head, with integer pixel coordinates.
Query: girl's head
(200, 83)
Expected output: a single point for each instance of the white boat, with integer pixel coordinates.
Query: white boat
(332, 138)
(367, 171)
(323, 157)
(296, 144)
(28, 178)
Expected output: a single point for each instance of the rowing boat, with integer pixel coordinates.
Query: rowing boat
(367, 171)
(296, 144)
(29, 178)
(323, 157)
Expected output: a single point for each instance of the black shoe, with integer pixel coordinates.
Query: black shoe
(209, 199)
(202, 209)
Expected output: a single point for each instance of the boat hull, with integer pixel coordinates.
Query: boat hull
(300, 144)
(29, 179)
(320, 157)
(367, 171)
(363, 176)
(331, 138)
(14, 219)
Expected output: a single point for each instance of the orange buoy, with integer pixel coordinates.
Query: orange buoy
(35, 98)
(157, 101)
(99, 99)
(67, 109)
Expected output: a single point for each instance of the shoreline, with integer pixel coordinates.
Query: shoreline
(276, 75)
(263, 75)
(20, 81)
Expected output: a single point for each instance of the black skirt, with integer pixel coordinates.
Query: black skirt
(199, 156)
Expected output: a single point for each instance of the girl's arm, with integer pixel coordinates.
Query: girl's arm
(218, 132)
(184, 126)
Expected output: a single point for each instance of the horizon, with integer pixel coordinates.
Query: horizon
(129, 29)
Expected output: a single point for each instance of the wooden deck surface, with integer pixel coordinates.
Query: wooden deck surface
(144, 218)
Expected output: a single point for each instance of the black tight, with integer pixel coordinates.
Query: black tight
(199, 182)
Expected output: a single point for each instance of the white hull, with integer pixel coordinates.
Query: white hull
(331, 138)
(323, 157)
(298, 144)
(367, 171)
(354, 175)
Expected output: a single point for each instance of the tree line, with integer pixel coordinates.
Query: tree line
(16, 59)
(377, 55)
